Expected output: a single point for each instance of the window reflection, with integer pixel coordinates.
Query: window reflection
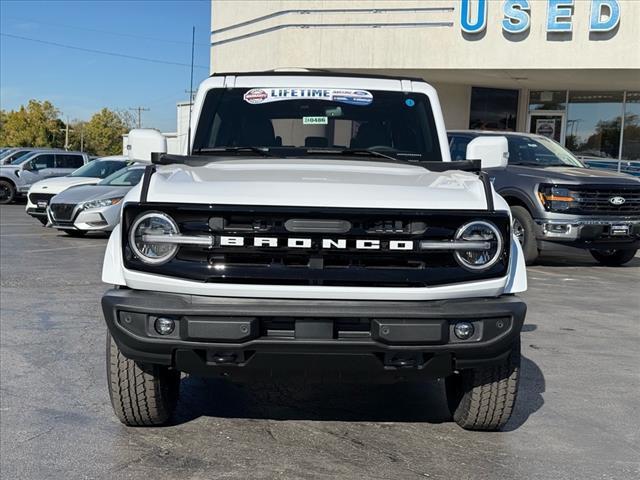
(631, 137)
(493, 109)
(594, 123)
(547, 100)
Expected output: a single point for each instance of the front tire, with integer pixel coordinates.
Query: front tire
(524, 230)
(483, 398)
(614, 258)
(7, 192)
(141, 394)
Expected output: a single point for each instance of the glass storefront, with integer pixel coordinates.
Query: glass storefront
(493, 109)
(589, 123)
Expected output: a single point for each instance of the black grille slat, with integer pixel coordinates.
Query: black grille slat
(40, 197)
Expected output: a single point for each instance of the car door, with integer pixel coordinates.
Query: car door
(40, 166)
(68, 162)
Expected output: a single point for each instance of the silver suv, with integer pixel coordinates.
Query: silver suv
(17, 177)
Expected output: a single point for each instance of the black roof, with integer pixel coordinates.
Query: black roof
(315, 73)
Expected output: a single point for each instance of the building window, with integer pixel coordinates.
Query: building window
(631, 134)
(547, 100)
(594, 121)
(493, 109)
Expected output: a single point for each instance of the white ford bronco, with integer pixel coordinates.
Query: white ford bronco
(315, 226)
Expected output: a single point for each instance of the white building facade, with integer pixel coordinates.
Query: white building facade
(568, 69)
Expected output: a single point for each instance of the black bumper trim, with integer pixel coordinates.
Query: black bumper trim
(433, 321)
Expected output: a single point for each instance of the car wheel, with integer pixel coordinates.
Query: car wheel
(483, 398)
(524, 230)
(7, 192)
(614, 258)
(75, 233)
(141, 394)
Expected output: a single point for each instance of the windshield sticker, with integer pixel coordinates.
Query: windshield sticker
(257, 96)
(315, 120)
(409, 102)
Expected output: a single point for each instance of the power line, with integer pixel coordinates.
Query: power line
(139, 110)
(102, 52)
(108, 32)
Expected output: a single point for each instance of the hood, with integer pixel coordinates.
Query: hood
(89, 192)
(574, 175)
(317, 182)
(58, 184)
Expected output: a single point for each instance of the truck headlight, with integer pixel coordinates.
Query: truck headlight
(105, 202)
(153, 224)
(479, 231)
(556, 199)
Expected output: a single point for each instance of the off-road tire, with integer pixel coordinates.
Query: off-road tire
(614, 258)
(483, 398)
(75, 233)
(11, 192)
(529, 245)
(141, 394)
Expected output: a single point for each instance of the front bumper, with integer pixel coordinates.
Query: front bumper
(240, 337)
(102, 219)
(587, 232)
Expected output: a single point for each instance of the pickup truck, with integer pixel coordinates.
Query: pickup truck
(315, 227)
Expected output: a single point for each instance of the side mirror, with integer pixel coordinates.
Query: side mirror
(493, 152)
(142, 142)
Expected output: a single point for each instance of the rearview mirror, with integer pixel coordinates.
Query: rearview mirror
(493, 152)
(142, 142)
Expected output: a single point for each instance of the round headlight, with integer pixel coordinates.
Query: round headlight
(153, 223)
(484, 233)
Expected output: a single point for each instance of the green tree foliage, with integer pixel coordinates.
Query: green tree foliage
(103, 133)
(36, 125)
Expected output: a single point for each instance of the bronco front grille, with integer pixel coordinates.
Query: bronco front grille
(316, 265)
(62, 211)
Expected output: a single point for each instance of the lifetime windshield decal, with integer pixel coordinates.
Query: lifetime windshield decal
(257, 96)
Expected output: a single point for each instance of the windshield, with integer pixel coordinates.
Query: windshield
(124, 178)
(19, 157)
(539, 151)
(99, 168)
(297, 121)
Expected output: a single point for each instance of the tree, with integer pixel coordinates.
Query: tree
(36, 125)
(103, 133)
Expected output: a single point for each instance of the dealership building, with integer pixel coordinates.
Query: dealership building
(567, 69)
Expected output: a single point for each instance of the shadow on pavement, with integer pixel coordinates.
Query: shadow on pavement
(400, 402)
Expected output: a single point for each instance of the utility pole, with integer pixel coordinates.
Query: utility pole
(139, 110)
(66, 134)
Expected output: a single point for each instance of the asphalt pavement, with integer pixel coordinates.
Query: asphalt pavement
(576, 415)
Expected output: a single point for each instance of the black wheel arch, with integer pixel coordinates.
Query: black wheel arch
(515, 197)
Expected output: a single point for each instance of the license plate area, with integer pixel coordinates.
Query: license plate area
(42, 204)
(619, 230)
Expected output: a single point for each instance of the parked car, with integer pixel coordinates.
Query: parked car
(17, 177)
(352, 250)
(93, 208)
(556, 199)
(89, 174)
(12, 154)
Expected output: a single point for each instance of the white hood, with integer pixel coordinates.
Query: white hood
(59, 184)
(316, 182)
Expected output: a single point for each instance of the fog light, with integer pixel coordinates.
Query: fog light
(463, 330)
(164, 326)
(559, 228)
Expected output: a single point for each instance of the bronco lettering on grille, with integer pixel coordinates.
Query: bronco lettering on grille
(324, 243)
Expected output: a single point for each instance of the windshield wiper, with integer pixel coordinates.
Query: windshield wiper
(358, 152)
(263, 151)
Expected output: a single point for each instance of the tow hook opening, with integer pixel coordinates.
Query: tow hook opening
(404, 360)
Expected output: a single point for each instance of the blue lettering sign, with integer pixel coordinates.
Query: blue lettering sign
(598, 22)
(559, 14)
(466, 22)
(516, 13)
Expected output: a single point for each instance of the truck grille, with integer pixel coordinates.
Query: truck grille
(40, 197)
(62, 211)
(315, 265)
(597, 200)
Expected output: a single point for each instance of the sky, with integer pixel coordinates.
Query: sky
(81, 82)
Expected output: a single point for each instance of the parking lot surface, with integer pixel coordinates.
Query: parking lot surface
(576, 416)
